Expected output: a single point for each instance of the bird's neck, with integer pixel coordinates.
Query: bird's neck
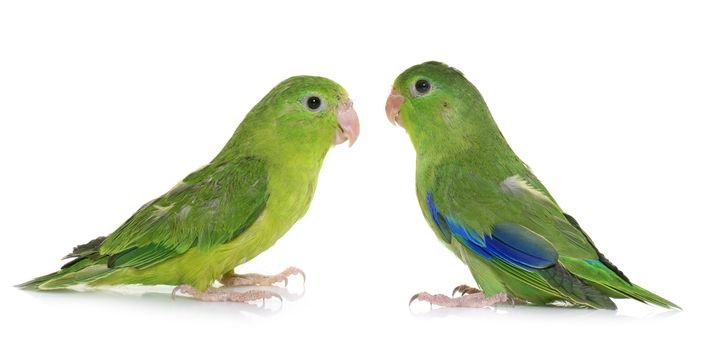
(280, 153)
(487, 155)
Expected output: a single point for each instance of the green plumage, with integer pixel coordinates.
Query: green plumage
(477, 184)
(227, 212)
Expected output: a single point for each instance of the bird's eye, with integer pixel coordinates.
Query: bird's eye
(422, 86)
(314, 102)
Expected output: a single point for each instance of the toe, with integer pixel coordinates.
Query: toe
(465, 289)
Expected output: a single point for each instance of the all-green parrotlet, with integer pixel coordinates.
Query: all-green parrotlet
(230, 210)
(487, 207)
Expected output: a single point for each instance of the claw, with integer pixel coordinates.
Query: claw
(276, 295)
(173, 293)
(422, 296)
(267, 295)
(465, 289)
(413, 298)
(292, 270)
(185, 289)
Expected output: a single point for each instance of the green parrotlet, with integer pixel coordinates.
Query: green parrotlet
(487, 207)
(229, 211)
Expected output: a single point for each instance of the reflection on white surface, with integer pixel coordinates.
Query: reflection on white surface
(162, 297)
(319, 318)
(550, 312)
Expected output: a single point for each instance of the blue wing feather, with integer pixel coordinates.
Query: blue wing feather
(512, 243)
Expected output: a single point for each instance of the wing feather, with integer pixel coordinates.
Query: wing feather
(210, 207)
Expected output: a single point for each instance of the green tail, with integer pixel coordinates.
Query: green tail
(76, 272)
(35, 283)
(558, 284)
(644, 295)
(607, 281)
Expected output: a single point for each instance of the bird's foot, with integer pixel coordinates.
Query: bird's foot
(222, 294)
(473, 300)
(232, 279)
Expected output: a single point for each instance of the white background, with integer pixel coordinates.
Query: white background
(105, 106)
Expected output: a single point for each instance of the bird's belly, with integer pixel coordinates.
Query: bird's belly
(278, 217)
(257, 239)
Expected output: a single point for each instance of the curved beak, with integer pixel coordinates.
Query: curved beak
(392, 107)
(347, 123)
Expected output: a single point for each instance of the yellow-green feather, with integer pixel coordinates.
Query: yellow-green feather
(476, 179)
(229, 211)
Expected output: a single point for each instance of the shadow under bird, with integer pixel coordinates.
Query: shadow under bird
(485, 205)
(229, 211)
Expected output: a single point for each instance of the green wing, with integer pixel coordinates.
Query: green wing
(599, 271)
(480, 209)
(513, 229)
(480, 201)
(210, 207)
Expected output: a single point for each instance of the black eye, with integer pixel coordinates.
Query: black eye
(314, 102)
(422, 86)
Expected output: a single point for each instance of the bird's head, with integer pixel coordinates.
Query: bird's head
(301, 116)
(439, 108)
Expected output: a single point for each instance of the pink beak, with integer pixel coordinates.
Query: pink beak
(392, 107)
(348, 124)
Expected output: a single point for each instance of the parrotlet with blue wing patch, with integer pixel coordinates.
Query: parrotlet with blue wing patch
(487, 207)
(230, 210)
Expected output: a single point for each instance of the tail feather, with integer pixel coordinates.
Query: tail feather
(36, 282)
(609, 282)
(638, 293)
(83, 276)
(79, 271)
(561, 285)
